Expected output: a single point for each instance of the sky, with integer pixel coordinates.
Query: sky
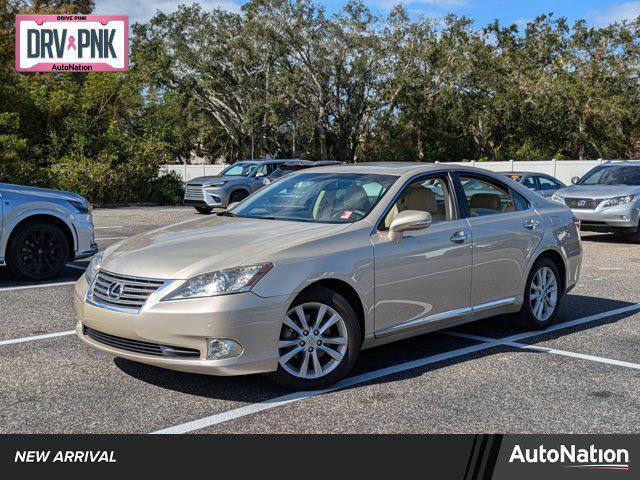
(597, 13)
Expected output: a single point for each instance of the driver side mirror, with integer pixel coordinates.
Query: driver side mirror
(574, 180)
(408, 220)
(260, 174)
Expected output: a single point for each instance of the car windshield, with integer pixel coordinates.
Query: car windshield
(317, 197)
(617, 175)
(240, 169)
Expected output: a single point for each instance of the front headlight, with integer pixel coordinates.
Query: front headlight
(557, 198)
(612, 202)
(215, 185)
(222, 282)
(93, 267)
(81, 207)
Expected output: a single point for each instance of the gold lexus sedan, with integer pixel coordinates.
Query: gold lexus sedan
(298, 278)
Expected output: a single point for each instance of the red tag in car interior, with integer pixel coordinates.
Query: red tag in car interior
(346, 214)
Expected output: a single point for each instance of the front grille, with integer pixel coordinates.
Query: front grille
(137, 346)
(194, 192)
(132, 295)
(583, 203)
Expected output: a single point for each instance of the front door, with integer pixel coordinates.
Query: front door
(425, 278)
(506, 231)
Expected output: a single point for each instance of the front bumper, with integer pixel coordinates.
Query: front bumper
(250, 320)
(214, 197)
(610, 218)
(84, 230)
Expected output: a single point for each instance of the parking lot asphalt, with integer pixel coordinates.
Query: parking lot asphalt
(583, 376)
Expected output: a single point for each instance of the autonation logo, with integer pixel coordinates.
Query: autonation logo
(590, 458)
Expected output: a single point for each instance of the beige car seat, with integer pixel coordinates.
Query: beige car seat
(417, 198)
(488, 201)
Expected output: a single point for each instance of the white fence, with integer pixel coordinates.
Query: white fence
(563, 170)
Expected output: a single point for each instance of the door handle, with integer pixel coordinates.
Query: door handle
(460, 236)
(531, 223)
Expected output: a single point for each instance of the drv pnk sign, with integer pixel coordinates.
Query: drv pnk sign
(72, 43)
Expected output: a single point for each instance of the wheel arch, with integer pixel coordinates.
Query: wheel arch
(48, 217)
(347, 291)
(239, 188)
(557, 258)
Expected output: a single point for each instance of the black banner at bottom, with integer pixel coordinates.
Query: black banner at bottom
(459, 457)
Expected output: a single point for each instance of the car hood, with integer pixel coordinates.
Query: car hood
(200, 246)
(214, 178)
(598, 191)
(46, 193)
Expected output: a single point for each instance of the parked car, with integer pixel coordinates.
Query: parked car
(302, 275)
(234, 184)
(606, 198)
(41, 230)
(296, 166)
(544, 184)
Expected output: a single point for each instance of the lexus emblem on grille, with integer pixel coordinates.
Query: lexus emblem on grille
(115, 291)
(582, 203)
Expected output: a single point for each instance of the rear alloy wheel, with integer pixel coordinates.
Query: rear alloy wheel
(204, 210)
(542, 296)
(319, 341)
(37, 251)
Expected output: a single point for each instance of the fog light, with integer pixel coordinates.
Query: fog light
(219, 348)
(625, 218)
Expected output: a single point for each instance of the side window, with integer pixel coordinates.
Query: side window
(486, 196)
(262, 170)
(427, 195)
(547, 184)
(521, 202)
(530, 182)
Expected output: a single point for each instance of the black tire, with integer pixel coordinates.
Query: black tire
(238, 196)
(354, 340)
(526, 317)
(37, 251)
(204, 210)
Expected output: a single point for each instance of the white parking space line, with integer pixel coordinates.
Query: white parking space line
(554, 351)
(110, 238)
(40, 285)
(365, 377)
(36, 337)
(297, 396)
(109, 226)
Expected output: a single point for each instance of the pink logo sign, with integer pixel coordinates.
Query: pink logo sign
(72, 43)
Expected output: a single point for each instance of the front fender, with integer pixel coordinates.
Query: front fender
(26, 211)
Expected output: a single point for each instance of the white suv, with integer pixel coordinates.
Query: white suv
(41, 230)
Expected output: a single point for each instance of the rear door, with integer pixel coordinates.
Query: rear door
(505, 230)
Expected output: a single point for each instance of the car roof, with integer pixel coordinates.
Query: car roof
(623, 163)
(526, 173)
(270, 160)
(400, 168)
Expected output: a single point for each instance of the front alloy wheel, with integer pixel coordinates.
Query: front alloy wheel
(313, 340)
(319, 341)
(37, 251)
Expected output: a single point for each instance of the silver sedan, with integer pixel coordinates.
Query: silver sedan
(298, 278)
